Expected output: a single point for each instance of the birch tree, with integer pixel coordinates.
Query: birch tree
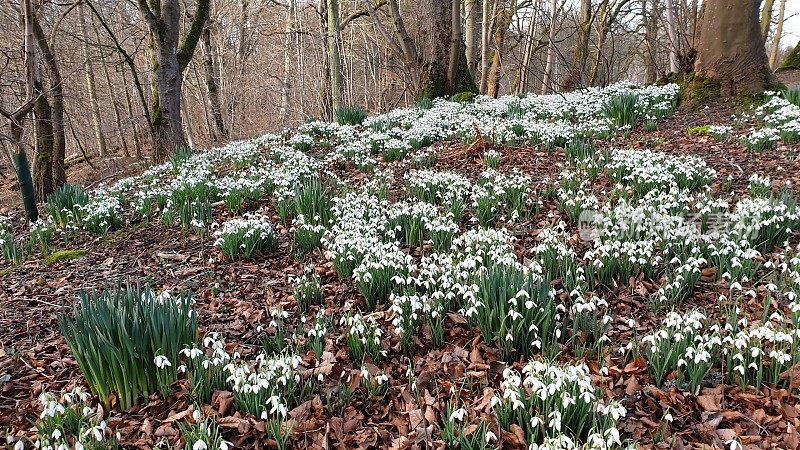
(776, 40)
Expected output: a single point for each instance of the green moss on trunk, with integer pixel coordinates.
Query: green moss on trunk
(792, 60)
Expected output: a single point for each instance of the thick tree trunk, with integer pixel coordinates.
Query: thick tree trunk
(17, 118)
(444, 64)
(436, 46)
(731, 58)
(219, 133)
(602, 31)
(166, 114)
(776, 41)
(171, 56)
(91, 88)
(325, 88)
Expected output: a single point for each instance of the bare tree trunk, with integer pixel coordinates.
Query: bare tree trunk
(286, 81)
(219, 133)
(136, 141)
(43, 150)
(324, 91)
(575, 77)
(776, 40)
(334, 58)
(57, 171)
(731, 58)
(487, 21)
(672, 33)
(502, 22)
(472, 12)
(444, 64)
(171, 57)
(110, 86)
(190, 140)
(607, 15)
(241, 50)
(602, 30)
(548, 67)
(650, 34)
(766, 18)
(94, 106)
(533, 23)
(16, 118)
(456, 39)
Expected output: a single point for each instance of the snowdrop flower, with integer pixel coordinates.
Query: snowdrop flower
(162, 362)
(200, 445)
(733, 444)
(458, 415)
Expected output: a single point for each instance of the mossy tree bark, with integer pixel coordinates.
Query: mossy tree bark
(792, 60)
(43, 163)
(766, 18)
(731, 58)
(56, 172)
(445, 70)
(171, 56)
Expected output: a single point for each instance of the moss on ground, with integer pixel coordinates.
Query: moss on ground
(63, 255)
(463, 97)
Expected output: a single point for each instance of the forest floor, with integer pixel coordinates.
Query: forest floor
(234, 297)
